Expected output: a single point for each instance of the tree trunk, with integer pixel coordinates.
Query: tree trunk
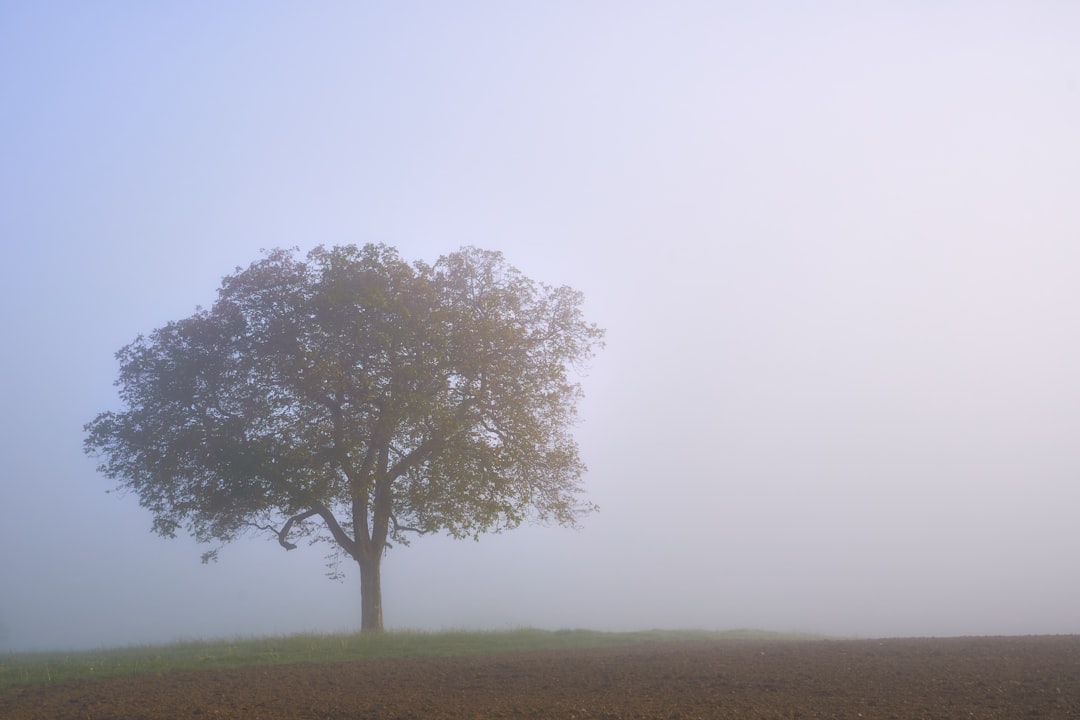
(371, 594)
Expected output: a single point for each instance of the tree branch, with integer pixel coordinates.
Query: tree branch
(404, 528)
(433, 443)
(347, 543)
(283, 533)
(342, 538)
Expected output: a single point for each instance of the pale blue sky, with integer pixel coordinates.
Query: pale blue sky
(836, 247)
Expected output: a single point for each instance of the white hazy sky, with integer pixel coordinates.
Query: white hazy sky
(836, 246)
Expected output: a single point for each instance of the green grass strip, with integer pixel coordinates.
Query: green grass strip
(56, 667)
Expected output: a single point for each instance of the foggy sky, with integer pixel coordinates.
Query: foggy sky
(836, 247)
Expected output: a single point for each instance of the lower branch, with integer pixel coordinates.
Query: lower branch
(283, 533)
(342, 538)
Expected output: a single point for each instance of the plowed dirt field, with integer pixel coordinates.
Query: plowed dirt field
(955, 678)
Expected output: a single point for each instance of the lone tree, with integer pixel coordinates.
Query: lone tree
(353, 398)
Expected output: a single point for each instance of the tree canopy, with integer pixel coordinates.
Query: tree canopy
(354, 398)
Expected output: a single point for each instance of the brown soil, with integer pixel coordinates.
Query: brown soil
(1034, 677)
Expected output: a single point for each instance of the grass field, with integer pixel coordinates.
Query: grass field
(54, 667)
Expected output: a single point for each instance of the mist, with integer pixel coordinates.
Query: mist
(836, 251)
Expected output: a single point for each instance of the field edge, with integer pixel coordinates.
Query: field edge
(31, 668)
